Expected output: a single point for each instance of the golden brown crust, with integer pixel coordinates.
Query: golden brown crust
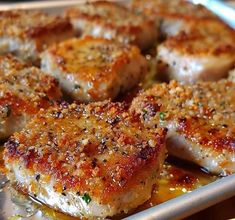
(203, 113)
(109, 17)
(94, 69)
(25, 89)
(27, 33)
(96, 56)
(203, 37)
(97, 148)
(168, 9)
(30, 24)
(174, 16)
(98, 11)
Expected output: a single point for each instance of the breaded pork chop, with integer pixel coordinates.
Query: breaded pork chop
(173, 15)
(200, 119)
(23, 91)
(205, 52)
(94, 69)
(27, 33)
(113, 21)
(92, 160)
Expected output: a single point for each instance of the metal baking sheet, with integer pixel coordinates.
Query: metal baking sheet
(15, 207)
(190, 203)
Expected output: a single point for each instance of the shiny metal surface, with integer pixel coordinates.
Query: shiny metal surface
(46, 5)
(16, 207)
(192, 202)
(225, 10)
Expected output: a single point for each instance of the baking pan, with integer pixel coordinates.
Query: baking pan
(15, 207)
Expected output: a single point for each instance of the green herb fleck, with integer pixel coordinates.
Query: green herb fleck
(86, 198)
(162, 115)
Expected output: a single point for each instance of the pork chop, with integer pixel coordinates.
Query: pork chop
(92, 160)
(200, 119)
(173, 15)
(113, 21)
(27, 33)
(94, 69)
(205, 52)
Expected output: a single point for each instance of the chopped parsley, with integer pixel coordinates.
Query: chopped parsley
(86, 198)
(162, 115)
